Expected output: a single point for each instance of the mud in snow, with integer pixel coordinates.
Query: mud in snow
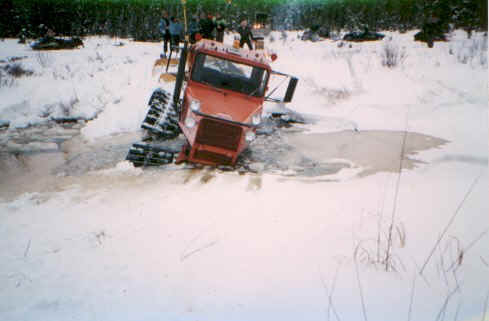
(50, 158)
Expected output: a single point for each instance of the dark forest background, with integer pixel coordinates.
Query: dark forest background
(139, 19)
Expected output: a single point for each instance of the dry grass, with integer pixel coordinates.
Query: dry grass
(11, 72)
(378, 252)
(454, 215)
(392, 55)
(16, 70)
(44, 59)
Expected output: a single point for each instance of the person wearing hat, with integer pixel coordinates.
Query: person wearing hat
(245, 34)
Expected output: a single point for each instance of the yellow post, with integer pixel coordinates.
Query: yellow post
(184, 2)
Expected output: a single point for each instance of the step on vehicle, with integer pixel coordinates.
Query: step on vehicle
(224, 89)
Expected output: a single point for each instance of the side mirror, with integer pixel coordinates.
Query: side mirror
(290, 89)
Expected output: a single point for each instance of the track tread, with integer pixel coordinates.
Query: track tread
(148, 155)
(160, 123)
(161, 119)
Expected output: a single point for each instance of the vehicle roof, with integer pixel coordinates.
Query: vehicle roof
(247, 56)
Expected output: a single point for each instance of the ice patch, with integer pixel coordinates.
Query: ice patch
(122, 168)
(24, 200)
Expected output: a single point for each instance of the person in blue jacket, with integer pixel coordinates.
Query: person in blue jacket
(176, 31)
(164, 27)
(193, 29)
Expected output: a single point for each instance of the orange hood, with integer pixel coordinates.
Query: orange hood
(223, 103)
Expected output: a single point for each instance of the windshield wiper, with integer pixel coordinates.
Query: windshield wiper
(274, 89)
(254, 92)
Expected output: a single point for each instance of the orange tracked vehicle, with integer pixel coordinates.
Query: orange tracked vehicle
(224, 89)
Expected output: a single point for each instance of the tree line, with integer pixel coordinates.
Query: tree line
(139, 19)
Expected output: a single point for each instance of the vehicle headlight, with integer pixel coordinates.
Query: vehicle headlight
(189, 121)
(250, 136)
(195, 105)
(256, 119)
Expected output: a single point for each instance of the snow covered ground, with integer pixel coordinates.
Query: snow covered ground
(111, 242)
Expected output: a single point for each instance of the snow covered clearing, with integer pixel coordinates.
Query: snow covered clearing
(86, 236)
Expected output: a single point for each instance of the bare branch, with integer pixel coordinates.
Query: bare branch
(190, 253)
(412, 298)
(28, 247)
(361, 291)
(450, 222)
(457, 311)
(441, 314)
(486, 302)
(464, 251)
(484, 261)
(396, 195)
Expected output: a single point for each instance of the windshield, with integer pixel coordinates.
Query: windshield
(226, 74)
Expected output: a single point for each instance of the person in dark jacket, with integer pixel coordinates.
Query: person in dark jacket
(245, 34)
(206, 26)
(164, 27)
(220, 24)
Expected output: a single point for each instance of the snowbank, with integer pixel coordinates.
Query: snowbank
(177, 243)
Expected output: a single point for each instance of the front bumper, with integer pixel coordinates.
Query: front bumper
(217, 141)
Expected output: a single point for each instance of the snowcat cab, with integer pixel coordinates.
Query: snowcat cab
(222, 103)
(221, 108)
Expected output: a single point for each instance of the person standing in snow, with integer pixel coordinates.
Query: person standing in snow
(193, 29)
(220, 24)
(245, 34)
(164, 27)
(176, 31)
(206, 26)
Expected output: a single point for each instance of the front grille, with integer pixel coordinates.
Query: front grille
(220, 134)
(205, 155)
